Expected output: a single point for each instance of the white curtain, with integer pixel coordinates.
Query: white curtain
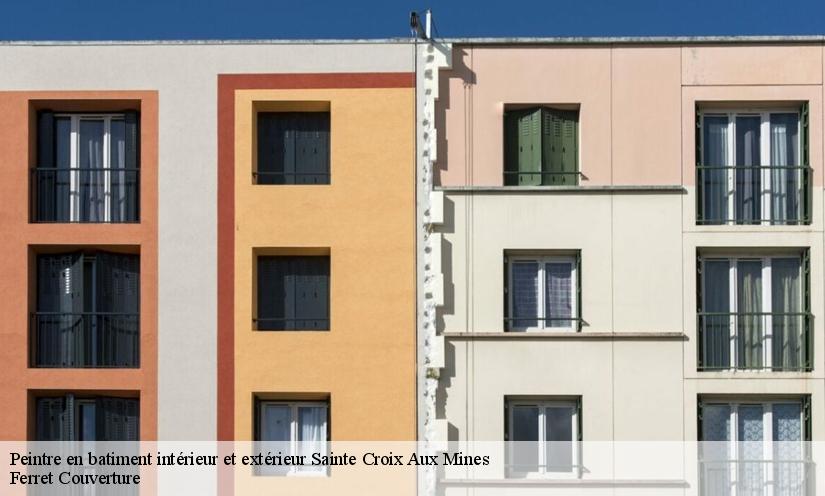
(788, 325)
(716, 322)
(784, 182)
(119, 178)
(311, 432)
(92, 179)
(558, 294)
(747, 189)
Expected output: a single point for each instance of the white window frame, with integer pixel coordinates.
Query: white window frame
(767, 297)
(764, 153)
(306, 470)
(542, 261)
(74, 161)
(541, 445)
(734, 446)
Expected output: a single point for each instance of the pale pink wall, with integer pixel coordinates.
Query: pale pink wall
(636, 103)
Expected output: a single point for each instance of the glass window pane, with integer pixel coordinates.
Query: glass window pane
(117, 144)
(525, 294)
(91, 143)
(715, 321)
(785, 183)
(559, 431)
(749, 328)
(87, 422)
(558, 294)
(713, 181)
(747, 189)
(275, 422)
(524, 438)
(788, 322)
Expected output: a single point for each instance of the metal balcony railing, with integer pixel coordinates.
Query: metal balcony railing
(284, 324)
(768, 194)
(541, 178)
(755, 341)
(268, 177)
(756, 478)
(85, 340)
(85, 195)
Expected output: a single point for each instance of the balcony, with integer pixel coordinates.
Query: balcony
(755, 341)
(85, 195)
(753, 195)
(85, 340)
(756, 478)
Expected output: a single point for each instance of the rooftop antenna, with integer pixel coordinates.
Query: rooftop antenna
(422, 31)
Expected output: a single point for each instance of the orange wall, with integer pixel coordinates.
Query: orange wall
(365, 218)
(18, 383)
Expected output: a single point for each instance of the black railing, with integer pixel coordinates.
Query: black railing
(541, 178)
(268, 177)
(756, 478)
(85, 195)
(769, 194)
(85, 340)
(283, 324)
(755, 341)
(543, 323)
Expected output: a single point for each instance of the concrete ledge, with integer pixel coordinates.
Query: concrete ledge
(662, 189)
(582, 483)
(566, 335)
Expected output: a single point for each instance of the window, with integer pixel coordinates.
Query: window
(293, 428)
(542, 292)
(753, 447)
(754, 312)
(293, 293)
(541, 147)
(87, 168)
(88, 310)
(77, 418)
(293, 148)
(543, 437)
(753, 167)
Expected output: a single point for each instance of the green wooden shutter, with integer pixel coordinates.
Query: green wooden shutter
(806, 412)
(511, 149)
(579, 290)
(560, 146)
(529, 149)
(806, 305)
(700, 409)
(506, 419)
(580, 434)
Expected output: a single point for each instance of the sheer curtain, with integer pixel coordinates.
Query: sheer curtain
(787, 449)
(751, 431)
(749, 327)
(784, 182)
(525, 295)
(715, 154)
(716, 326)
(311, 433)
(715, 448)
(786, 300)
(120, 179)
(92, 190)
(558, 294)
(747, 190)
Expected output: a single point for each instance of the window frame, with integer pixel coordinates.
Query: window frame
(292, 470)
(766, 302)
(543, 405)
(257, 296)
(542, 318)
(256, 172)
(764, 113)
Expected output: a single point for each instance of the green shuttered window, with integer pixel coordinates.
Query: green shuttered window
(541, 147)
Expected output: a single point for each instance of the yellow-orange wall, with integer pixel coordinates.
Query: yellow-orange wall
(365, 217)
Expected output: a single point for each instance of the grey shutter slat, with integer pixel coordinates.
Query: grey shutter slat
(44, 186)
(118, 304)
(311, 147)
(49, 418)
(312, 292)
(68, 420)
(45, 139)
(118, 419)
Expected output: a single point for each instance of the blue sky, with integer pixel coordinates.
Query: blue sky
(250, 19)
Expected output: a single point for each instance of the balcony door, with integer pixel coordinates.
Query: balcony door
(750, 170)
(753, 448)
(751, 314)
(87, 168)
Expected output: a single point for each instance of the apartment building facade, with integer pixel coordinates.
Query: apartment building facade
(628, 249)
